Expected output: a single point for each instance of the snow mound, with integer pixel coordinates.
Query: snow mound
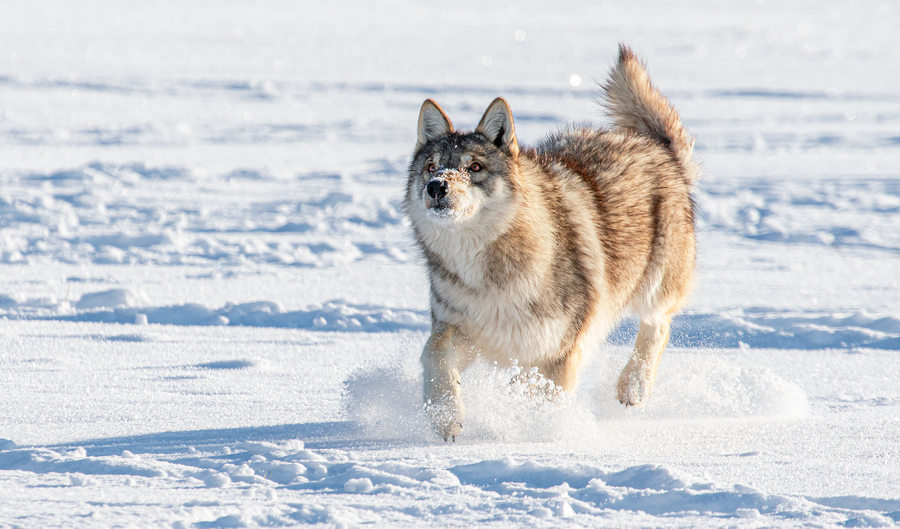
(110, 298)
(42, 461)
(424, 490)
(331, 316)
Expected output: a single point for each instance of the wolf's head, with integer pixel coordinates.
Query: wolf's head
(457, 177)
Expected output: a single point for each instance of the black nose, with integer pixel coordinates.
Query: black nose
(436, 189)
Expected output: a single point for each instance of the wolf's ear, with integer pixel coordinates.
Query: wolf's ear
(433, 123)
(497, 126)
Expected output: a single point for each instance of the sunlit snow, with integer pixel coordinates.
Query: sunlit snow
(211, 309)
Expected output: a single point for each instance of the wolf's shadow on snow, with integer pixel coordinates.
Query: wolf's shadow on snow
(344, 435)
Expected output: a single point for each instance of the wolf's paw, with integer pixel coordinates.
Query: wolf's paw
(633, 389)
(446, 417)
(536, 386)
(449, 431)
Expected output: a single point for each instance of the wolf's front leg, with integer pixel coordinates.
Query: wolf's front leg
(637, 379)
(442, 359)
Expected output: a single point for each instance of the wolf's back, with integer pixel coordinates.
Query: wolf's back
(635, 105)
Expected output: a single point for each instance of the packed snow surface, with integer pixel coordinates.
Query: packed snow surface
(212, 310)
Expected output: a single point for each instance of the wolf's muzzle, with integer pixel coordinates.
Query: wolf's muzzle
(437, 189)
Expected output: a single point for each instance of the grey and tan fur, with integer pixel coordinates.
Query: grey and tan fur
(534, 254)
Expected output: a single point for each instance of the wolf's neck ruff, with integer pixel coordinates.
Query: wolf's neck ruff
(531, 253)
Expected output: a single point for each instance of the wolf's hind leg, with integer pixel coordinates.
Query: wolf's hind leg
(663, 291)
(637, 379)
(444, 355)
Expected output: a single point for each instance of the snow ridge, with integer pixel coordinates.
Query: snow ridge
(754, 327)
(500, 490)
(856, 214)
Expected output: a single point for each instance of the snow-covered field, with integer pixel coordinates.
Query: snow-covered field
(212, 311)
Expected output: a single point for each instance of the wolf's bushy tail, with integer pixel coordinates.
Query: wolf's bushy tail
(635, 105)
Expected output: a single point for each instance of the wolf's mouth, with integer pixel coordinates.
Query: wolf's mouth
(441, 203)
(444, 214)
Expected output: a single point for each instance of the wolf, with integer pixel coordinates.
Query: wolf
(533, 254)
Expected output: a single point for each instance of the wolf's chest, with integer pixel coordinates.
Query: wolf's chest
(504, 324)
(462, 277)
(509, 318)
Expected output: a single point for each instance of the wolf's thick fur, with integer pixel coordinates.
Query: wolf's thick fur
(533, 254)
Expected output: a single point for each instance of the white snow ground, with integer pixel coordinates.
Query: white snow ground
(212, 311)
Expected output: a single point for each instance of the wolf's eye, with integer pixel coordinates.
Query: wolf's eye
(431, 168)
(475, 167)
